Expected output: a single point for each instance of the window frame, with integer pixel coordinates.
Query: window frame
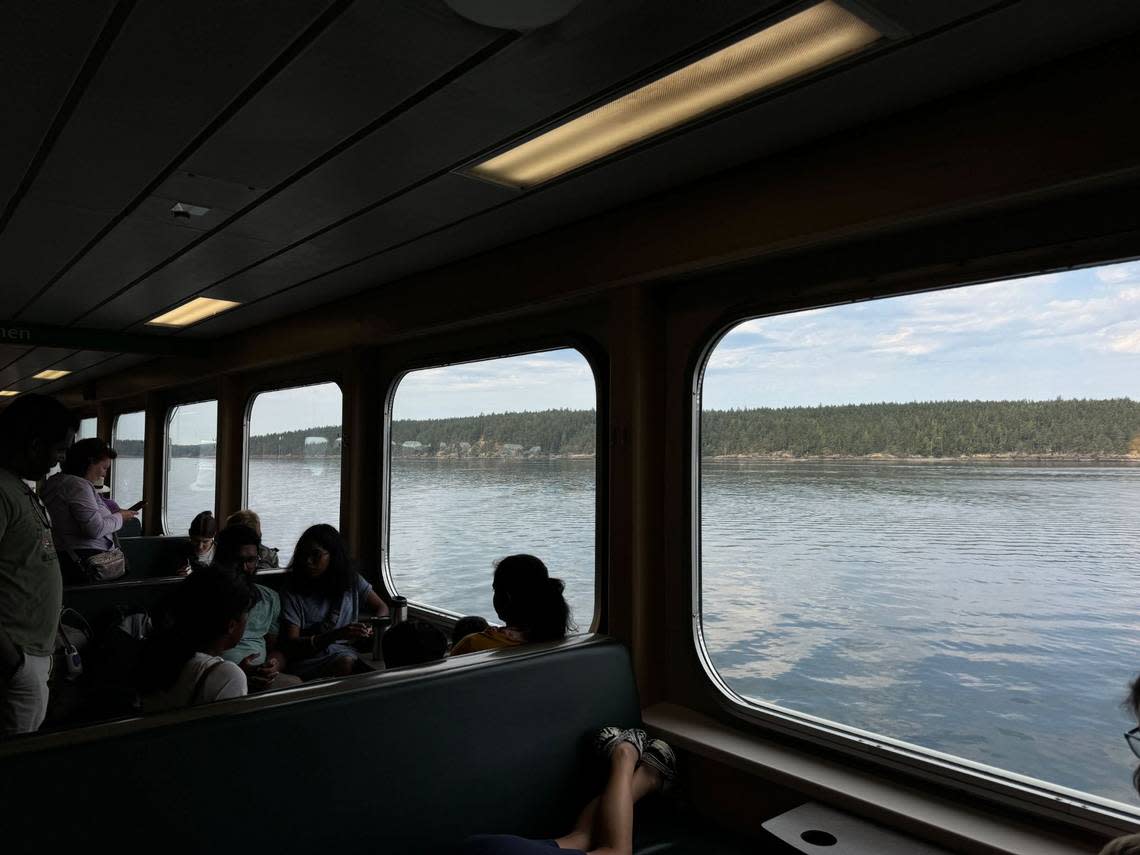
(594, 358)
(990, 783)
(114, 427)
(247, 414)
(166, 452)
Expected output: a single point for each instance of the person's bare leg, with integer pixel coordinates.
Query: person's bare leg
(645, 781)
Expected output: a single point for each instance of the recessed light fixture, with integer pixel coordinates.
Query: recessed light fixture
(51, 374)
(184, 211)
(8, 393)
(801, 43)
(196, 310)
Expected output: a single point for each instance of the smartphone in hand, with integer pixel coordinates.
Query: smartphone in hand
(137, 506)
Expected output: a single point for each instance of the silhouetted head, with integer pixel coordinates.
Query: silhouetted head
(1132, 704)
(528, 599)
(245, 517)
(466, 626)
(236, 547)
(413, 642)
(320, 562)
(35, 433)
(208, 612)
(89, 458)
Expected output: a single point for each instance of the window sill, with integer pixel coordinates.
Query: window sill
(892, 803)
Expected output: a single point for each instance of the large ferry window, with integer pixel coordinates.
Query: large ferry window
(88, 428)
(293, 462)
(918, 519)
(191, 456)
(127, 438)
(489, 459)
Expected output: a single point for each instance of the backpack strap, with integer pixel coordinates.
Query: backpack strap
(198, 686)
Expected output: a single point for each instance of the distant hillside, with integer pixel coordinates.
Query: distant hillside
(1059, 428)
(931, 429)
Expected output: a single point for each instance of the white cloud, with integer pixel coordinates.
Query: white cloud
(903, 342)
(1114, 273)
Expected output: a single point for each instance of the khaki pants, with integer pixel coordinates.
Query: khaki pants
(24, 698)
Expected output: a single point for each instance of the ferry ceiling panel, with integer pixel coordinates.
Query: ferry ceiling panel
(282, 155)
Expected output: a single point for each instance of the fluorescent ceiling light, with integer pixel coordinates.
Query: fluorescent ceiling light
(794, 46)
(8, 393)
(51, 374)
(196, 310)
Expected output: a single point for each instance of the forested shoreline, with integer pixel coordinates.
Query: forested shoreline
(1057, 429)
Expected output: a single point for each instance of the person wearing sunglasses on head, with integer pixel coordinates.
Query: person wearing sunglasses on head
(320, 605)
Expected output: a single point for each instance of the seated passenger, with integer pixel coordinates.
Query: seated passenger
(413, 642)
(266, 557)
(82, 525)
(181, 663)
(256, 653)
(1130, 843)
(320, 605)
(528, 600)
(466, 626)
(200, 550)
(638, 766)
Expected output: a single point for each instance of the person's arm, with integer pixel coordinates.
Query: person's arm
(227, 680)
(298, 646)
(11, 657)
(93, 517)
(373, 601)
(274, 657)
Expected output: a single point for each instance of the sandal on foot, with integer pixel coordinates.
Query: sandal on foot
(657, 755)
(608, 738)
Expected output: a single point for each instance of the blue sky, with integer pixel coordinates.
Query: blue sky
(1074, 334)
(538, 381)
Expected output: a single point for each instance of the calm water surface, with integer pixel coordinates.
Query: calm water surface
(984, 610)
(988, 611)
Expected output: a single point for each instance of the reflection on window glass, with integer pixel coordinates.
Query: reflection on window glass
(88, 428)
(127, 470)
(293, 466)
(191, 455)
(918, 518)
(489, 459)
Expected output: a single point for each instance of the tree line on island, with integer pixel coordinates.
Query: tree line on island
(1057, 428)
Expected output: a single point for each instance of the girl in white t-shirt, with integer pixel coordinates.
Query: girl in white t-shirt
(182, 664)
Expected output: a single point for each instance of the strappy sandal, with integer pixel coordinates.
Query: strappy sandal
(657, 755)
(608, 738)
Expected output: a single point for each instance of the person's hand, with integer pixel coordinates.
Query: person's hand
(258, 676)
(354, 632)
(127, 514)
(184, 570)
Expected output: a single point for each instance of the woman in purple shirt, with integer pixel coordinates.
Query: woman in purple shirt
(81, 524)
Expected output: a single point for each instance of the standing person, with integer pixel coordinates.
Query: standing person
(82, 524)
(256, 652)
(528, 600)
(35, 432)
(320, 606)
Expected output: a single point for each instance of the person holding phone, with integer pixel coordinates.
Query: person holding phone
(82, 525)
(200, 550)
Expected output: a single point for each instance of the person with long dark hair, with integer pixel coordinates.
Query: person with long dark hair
(1130, 843)
(320, 605)
(82, 524)
(181, 663)
(529, 601)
